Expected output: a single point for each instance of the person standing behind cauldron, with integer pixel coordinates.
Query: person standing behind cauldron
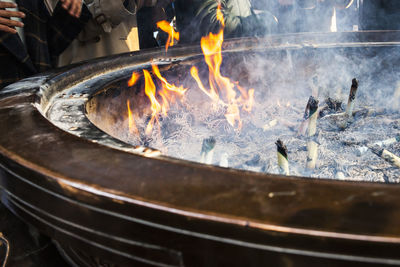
(379, 14)
(43, 33)
(197, 18)
(114, 29)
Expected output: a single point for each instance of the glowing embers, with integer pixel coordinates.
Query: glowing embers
(222, 89)
(172, 34)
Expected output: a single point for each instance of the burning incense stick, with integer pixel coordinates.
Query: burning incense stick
(207, 150)
(312, 107)
(312, 146)
(362, 149)
(344, 119)
(302, 129)
(352, 97)
(386, 155)
(282, 154)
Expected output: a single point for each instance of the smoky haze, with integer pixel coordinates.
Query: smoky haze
(283, 80)
(257, 18)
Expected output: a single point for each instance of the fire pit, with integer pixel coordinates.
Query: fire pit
(79, 162)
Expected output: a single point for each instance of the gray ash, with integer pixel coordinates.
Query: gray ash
(281, 93)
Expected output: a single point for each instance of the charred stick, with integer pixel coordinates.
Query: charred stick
(331, 106)
(363, 112)
(282, 154)
(352, 97)
(312, 107)
(312, 146)
(207, 150)
(362, 149)
(386, 155)
(302, 129)
(343, 122)
(303, 126)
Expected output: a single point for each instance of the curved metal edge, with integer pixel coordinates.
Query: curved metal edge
(105, 242)
(380, 187)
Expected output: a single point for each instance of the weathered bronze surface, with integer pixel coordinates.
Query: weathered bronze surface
(130, 209)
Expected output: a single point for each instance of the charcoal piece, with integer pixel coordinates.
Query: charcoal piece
(332, 106)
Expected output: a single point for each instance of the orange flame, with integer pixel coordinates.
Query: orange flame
(150, 91)
(134, 78)
(170, 87)
(210, 93)
(220, 16)
(220, 86)
(131, 120)
(167, 95)
(172, 34)
(222, 90)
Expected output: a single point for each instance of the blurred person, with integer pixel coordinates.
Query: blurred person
(307, 15)
(149, 35)
(379, 14)
(197, 18)
(33, 34)
(114, 29)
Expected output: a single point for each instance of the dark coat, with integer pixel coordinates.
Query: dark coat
(46, 37)
(197, 18)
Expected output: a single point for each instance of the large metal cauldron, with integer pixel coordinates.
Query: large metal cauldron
(105, 202)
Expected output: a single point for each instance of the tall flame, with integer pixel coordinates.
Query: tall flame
(150, 91)
(220, 16)
(222, 90)
(172, 34)
(220, 86)
(170, 87)
(167, 94)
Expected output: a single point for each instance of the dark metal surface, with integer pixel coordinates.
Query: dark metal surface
(21, 244)
(127, 208)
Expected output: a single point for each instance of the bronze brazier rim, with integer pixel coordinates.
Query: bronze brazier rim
(73, 169)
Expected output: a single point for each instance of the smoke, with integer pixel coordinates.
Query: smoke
(290, 16)
(283, 80)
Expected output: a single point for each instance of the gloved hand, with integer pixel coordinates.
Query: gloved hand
(6, 23)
